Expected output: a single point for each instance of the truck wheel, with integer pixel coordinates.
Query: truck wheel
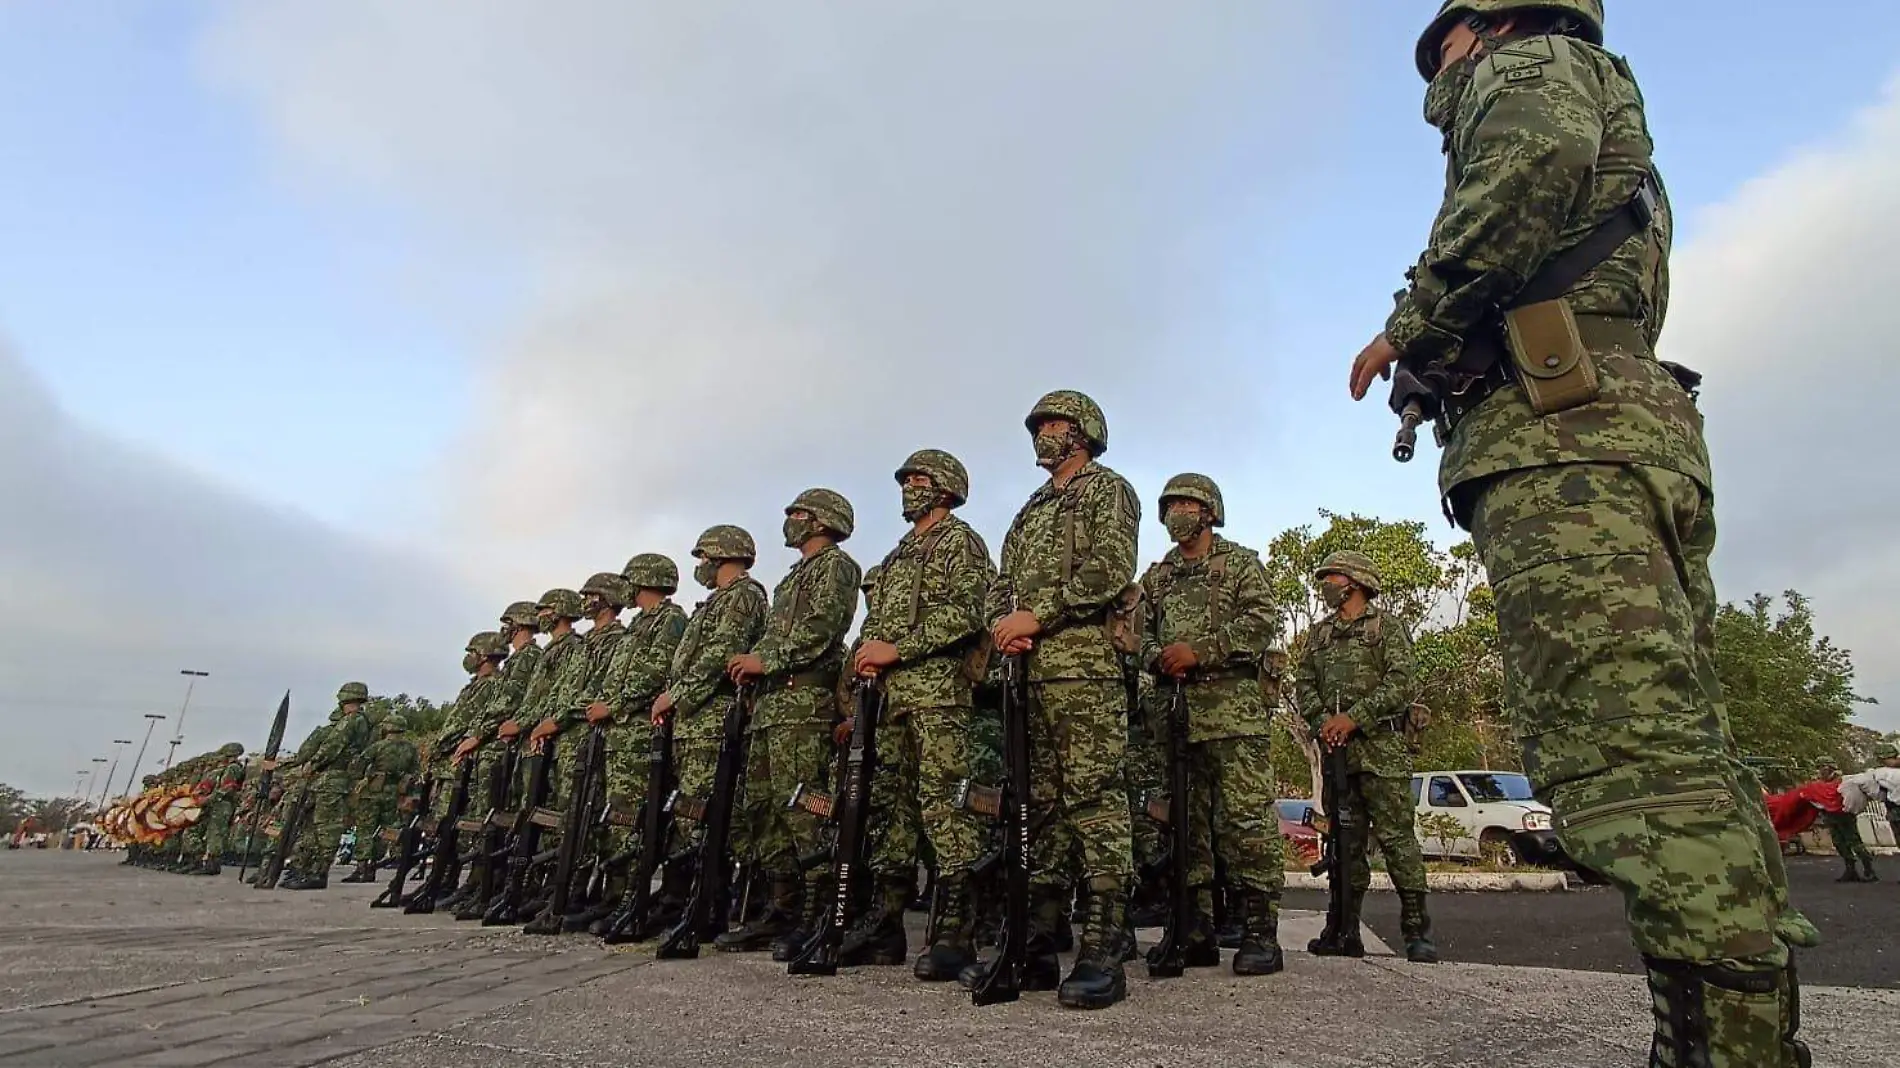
(1496, 842)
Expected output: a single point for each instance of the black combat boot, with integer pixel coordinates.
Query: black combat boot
(364, 872)
(779, 919)
(953, 947)
(1200, 947)
(1867, 869)
(1345, 940)
(1042, 970)
(209, 866)
(1231, 927)
(1722, 1014)
(308, 882)
(1848, 874)
(878, 936)
(819, 896)
(1416, 925)
(1259, 952)
(1097, 980)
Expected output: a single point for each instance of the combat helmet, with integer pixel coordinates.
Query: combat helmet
(522, 614)
(488, 644)
(609, 586)
(1192, 487)
(1587, 15)
(726, 542)
(1886, 751)
(394, 723)
(828, 507)
(1077, 408)
(651, 571)
(231, 749)
(352, 691)
(1356, 566)
(565, 604)
(869, 581)
(946, 473)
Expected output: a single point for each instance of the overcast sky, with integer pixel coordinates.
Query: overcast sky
(332, 326)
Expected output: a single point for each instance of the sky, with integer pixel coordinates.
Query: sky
(329, 327)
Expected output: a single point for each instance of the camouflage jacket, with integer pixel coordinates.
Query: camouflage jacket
(388, 764)
(803, 644)
(508, 693)
(728, 622)
(1362, 668)
(603, 644)
(559, 675)
(1549, 141)
(1220, 606)
(928, 602)
(1069, 553)
(338, 757)
(228, 784)
(638, 673)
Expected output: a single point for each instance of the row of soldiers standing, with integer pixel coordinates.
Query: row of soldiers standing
(940, 618)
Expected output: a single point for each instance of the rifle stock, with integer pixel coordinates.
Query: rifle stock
(819, 956)
(705, 914)
(447, 865)
(1003, 982)
(1170, 961)
(408, 848)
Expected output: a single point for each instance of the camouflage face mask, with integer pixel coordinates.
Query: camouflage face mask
(1334, 594)
(471, 661)
(1051, 448)
(799, 531)
(1445, 92)
(593, 606)
(1182, 525)
(918, 501)
(706, 573)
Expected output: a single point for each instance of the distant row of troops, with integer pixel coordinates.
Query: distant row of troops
(1100, 652)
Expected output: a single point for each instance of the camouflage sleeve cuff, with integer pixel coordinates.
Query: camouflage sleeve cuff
(1415, 336)
(1047, 610)
(1212, 653)
(911, 648)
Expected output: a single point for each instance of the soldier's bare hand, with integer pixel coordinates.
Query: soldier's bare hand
(463, 749)
(1014, 628)
(662, 710)
(547, 728)
(1179, 659)
(1373, 361)
(744, 668)
(874, 656)
(1336, 730)
(598, 712)
(1017, 647)
(842, 732)
(509, 729)
(268, 765)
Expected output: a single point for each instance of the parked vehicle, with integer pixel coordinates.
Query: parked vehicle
(1296, 826)
(1495, 811)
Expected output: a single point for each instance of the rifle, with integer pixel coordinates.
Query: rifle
(705, 910)
(1004, 979)
(656, 821)
(587, 793)
(819, 956)
(493, 827)
(408, 850)
(260, 797)
(300, 809)
(1171, 958)
(525, 836)
(1332, 861)
(447, 865)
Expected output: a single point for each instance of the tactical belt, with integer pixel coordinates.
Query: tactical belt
(1600, 333)
(820, 679)
(1234, 671)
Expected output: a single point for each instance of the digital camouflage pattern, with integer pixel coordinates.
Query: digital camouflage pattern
(221, 807)
(728, 622)
(388, 765)
(334, 767)
(633, 681)
(558, 678)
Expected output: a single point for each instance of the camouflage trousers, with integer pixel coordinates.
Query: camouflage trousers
(1843, 830)
(216, 822)
(1143, 773)
(1606, 611)
(696, 764)
(1078, 801)
(1378, 809)
(371, 813)
(779, 760)
(629, 746)
(317, 843)
(923, 754)
(1230, 809)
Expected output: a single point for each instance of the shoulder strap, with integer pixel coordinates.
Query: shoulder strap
(930, 542)
(1568, 267)
(1069, 500)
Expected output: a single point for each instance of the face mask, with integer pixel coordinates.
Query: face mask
(593, 606)
(918, 501)
(705, 573)
(1182, 525)
(470, 662)
(1334, 594)
(547, 624)
(1446, 90)
(799, 531)
(1051, 449)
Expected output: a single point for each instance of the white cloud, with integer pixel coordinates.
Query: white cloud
(1786, 300)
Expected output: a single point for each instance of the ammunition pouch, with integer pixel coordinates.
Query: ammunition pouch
(1488, 363)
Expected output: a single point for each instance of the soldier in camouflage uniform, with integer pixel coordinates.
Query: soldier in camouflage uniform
(481, 659)
(1210, 623)
(561, 673)
(220, 809)
(1843, 832)
(1059, 602)
(1592, 506)
(388, 766)
(335, 765)
(493, 728)
(633, 681)
(727, 623)
(923, 641)
(796, 663)
(288, 785)
(1354, 685)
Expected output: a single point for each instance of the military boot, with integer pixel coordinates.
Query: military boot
(308, 882)
(1867, 869)
(1259, 952)
(1725, 1014)
(1097, 980)
(364, 872)
(1231, 929)
(878, 936)
(952, 947)
(1042, 969)
(1848, 874)
(779, 918)
(209, 866)
(1200, 946)
(1416, 925)
(1345, 940)
(819, 896)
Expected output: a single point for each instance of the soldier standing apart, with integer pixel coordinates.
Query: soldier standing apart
(335, 765)
(728, 622)
(634, 680)
(797, 662)
(387, 768)
(923, 636)
(221, 809)
(1059, 602)
(1843, 830)
(1354, 685)
(1210, 623)
(1577, 462)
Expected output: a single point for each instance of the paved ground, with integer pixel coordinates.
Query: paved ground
(101, 964)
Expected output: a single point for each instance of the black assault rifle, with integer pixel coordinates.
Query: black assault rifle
(705, 914)
(819, 955)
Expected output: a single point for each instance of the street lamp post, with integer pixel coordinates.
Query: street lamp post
(151, 720)
(85, 799)
(179, 735)
(80, 781)
(118, 750)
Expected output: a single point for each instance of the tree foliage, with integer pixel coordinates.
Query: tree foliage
(1790, 691)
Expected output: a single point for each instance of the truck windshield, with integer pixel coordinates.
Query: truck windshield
(1496, 786)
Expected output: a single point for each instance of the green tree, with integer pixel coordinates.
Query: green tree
(424, 716)
(14, 807)
(1790, 692)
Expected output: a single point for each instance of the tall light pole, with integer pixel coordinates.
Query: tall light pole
(80, 781)
(118, 750)
(151, 720)
(85, 799)
(179, 734)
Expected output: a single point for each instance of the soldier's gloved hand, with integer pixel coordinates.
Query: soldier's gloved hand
(1178, 659)
(598, 712)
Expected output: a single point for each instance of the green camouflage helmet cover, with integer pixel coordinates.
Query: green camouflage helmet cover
(1588, 15)
(871, 576)
(231, 749)
(1886, 751)
(521, 614)
(651, 571)
(488, 644)
(1077, 408)
(394, 723)
(609, 586)
(565, 604)
(352, 691)
(1356, 566)
(946, 473)
(1192, 487)
(726, 542)
(828, 507)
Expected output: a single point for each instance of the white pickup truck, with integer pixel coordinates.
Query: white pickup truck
(1495, 809)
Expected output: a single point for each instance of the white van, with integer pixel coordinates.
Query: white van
(1494, 808)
